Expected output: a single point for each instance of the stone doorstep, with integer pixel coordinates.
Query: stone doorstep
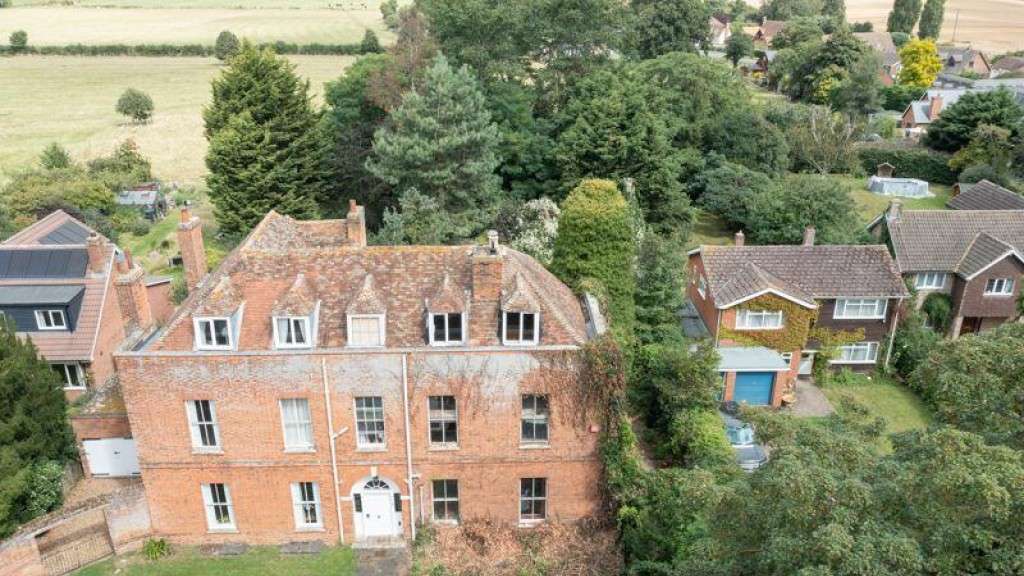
(303, 547)
(380, 543)
(226, 549)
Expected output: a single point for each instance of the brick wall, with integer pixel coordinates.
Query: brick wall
(111, 334)
(19, 556)
(94, 427)
(969, 298)
(161, 305)
(246, 390)
(705, 305)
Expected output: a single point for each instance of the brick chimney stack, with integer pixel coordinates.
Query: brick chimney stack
(894, 211)
(809, 236)
(356, 224)
(193, 251)
(95, 247)
(739, 239)
(132, 297)
(487, 269)
(935, 107)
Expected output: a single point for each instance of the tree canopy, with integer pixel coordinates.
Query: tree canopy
(955, 126)
(920, 63)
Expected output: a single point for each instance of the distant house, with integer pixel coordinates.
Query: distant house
(146, 197)
(882, 44)
(921, 113)
(985, 195)
(964, 61)
(768, 30)
(720, 30)
(972, 255)
(760, 303)
(1008, 65)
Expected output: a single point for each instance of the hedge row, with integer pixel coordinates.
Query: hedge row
(314, 49)
(919, 163)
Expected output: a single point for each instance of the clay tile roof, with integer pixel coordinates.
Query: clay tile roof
(223, 300)
(368, 300)
(803, 273)
(936, 240)
(983, 251)
(520, 297)
(986, 195)
(298, 300)
(771, 28)
(448, 297)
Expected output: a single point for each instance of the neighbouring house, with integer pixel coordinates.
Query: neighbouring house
(147, 198)
(922, 112)
(888, 54)
(971, 255)
(959, 61)
(984, 195)
(768, 30)
(903, 187)
(79, 299)
(316, 388)
(771, 309)
(1008, 65)
(720, 30)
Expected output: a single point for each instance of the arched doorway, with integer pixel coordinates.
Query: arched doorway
(377, 508)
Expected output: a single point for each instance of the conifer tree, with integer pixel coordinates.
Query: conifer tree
(441, 141)
(904, 16)
(266, 150)
(931, 19)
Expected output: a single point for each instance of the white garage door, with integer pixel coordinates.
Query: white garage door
(112, 457)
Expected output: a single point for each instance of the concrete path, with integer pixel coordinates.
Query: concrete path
(810, 401)
(384, 561)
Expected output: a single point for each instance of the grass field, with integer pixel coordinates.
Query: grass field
(899, 406)
(337, 561)
(71, 100)
(237, 4)
(76, 25)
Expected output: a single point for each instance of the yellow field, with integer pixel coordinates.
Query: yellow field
(82, 25)
(995, 26)
(71, 100)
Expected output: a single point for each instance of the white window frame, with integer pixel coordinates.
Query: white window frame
(533, 519)
(443, 416)
(843, 304)
(66, 368)
(45, 319)
(381, 323)
(301, 502)
(743, 316)
(535, 419)
(520, 342)
(197, 324)
(871, 356)
(195, 426)
(1000, 287)
(279, 339)
(447, 328)
(930, 280)
(445, 499)
(209, 504)
(303, 422)
(360, 443)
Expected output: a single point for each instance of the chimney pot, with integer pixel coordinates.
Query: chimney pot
(809, 236)
(739, 238)
(492, 241)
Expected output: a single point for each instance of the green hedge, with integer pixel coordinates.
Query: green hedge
(315, 49)
(910, 163)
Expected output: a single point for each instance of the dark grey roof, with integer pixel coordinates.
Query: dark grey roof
(936, 240)
(983, 251)
(35, 263)
(46, 294)
(986, 196)
(68, 233)
(801, 272)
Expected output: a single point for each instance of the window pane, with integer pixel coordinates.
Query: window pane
(299, 333)
(370, 420)
(528, 327)
(221, 331)
(365, 332)
(455, 327)
(512, 331)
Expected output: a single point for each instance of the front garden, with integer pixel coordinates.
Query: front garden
(258, 561)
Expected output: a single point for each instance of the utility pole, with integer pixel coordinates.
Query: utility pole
(956, 24)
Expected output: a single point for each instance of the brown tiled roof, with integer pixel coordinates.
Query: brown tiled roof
(882, 43)
(404, 278)
(770, 28)
(936, 240)
(299, 300)
(520, 298)
(986, 195)
(982, 251)
(223, 300)
(448, 297)
(367, 300)
(801, 272)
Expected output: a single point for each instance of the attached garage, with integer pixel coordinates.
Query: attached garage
(751, 374)
(754, 388)
(111, 457)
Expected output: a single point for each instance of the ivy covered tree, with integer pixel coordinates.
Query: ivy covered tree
(596, 242)
(442, 141)
(664, 26)
(265, 149)
(903, 16)
(957, 123)
(931, 19)
(34, 431)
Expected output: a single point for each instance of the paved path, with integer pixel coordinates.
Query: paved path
(810, 401)
(389, 561)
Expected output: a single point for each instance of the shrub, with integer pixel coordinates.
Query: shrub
(697, 439)
(898, 96)
(727, 190)
(913, 162)
(155, 548)
(136, 105)
(780, 215)
(226, 45)
(18, 40)
(45, 487)
(179, 290)
(911, 344)
(938, 308)
(370, 43)
(979, 172)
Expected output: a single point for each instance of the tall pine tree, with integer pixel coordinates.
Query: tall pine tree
(931, 19)
(904, 16)
(835, 9)
(441, 141)
(266, 151)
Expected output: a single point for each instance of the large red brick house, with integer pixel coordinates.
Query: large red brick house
(316, 388)
(974, 256)
(768, 307)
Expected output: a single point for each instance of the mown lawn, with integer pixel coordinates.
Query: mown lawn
(262, 561)
(900, 407)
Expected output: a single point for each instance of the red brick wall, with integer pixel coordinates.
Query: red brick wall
(111, 334)
(160, 303)
(246, 390)
(20, 557)
(705, 305)
(969, 298)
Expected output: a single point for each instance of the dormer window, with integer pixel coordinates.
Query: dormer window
(292, 332)
(520, 328)
(446, 329)
(365, 330)
(51, 320)
(213, 333)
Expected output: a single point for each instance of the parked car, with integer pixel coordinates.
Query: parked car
(749, 454)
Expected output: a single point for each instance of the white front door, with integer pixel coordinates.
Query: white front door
(112, 457)
(375, 510)
(806, 364)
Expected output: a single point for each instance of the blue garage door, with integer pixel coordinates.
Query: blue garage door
(754, 388)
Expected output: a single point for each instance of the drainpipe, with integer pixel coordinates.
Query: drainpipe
(408, 445)
(892, 331)
(334, 452)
